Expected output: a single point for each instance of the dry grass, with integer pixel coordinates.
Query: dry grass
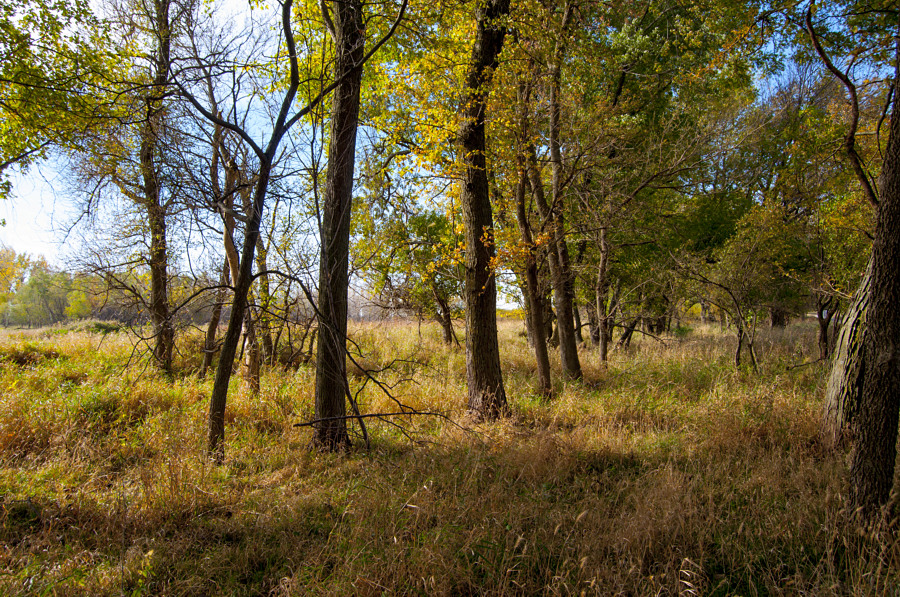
(667, 473)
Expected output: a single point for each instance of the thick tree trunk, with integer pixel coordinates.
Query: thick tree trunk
(533, 298)
(872, 466)
(844, 388)
(330, 429)
(778, 318)
(487, 396)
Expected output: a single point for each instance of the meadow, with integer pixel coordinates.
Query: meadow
(669, 472)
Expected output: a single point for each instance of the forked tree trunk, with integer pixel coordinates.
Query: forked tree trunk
(564, 333)
(844, 388)
(330, 429)
(487, 396)
(218, 398)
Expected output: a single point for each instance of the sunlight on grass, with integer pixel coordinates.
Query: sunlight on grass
(667, 472)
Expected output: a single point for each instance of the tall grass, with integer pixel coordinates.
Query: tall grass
(667, 472)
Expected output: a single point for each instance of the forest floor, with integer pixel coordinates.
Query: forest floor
(668, 473)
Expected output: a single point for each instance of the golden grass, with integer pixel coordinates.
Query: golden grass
(666, 473)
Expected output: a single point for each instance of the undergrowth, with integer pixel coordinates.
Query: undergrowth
(667, 472)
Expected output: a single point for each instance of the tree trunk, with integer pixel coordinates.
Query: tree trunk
(218, 398)
(209, 344)
(625, 340)
(264, 327)
(579, 337)
(872, 467)
(844, 388)
(445, 317)
(593, 323)
(487, 396)
(523, 287)
(217, 401)
(824, 315)
(252, 361)
(565, 304)
(778, 318)
(601, 291)
(156, 211)
(533, 298)
(330, 429)
(563, 334)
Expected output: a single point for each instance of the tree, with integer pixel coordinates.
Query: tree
(487, 396)
(875, 427)
(348, 32)
(197, 74)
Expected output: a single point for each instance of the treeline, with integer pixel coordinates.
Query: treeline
(33, 293)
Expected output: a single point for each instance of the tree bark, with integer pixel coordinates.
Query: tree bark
(579, 338)
(824, 315)
(264, 327)
(564, 332)
(601, 291)
(565, 307)
(533, 298)
(445, 317)
(844, 388)
(872, 466)
(330, 429)
(593, 323)
(209, 344)
(487, 396)
(217, 401)
(625, 339)
(156, 211)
